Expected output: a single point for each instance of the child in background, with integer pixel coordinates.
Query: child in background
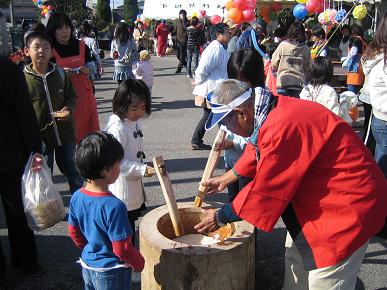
(98, 221)
(124, 52)
(318, 90)
(144, 69)
(131, 103)
(53, 98)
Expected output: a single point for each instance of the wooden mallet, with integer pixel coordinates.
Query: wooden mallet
(210, 166)
(166, 186)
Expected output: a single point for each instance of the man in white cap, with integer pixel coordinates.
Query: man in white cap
(308, 167)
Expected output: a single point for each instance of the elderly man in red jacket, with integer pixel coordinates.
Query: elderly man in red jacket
(308, 167)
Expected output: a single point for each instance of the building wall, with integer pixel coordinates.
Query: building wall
(24, 9)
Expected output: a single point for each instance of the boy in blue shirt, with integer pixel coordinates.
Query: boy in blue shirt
(98, 222)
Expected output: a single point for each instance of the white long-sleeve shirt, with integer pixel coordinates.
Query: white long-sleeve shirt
(144, 71)
(324, 94)
(129, 186)
(212, 69)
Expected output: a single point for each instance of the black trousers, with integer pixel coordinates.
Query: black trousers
(198, 134)
(181, 54)
(21, 237)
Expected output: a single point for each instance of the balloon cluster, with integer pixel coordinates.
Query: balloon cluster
(45, 9)
(201, 14)
(328, 17)
(359, 12)
(241, 10)
(307, 7)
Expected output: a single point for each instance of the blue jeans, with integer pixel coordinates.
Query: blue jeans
(115, 279)
(379, 130)
(64, 157)
(192, 52)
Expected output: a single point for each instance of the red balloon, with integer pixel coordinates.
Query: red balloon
(49, 7)
(240, 5)
(43, 13)
(235, 15)
(276, 6)
(312, 5)
(215, 19)
(251, 4)
(320, 8)
(203, 12)
(248, 15)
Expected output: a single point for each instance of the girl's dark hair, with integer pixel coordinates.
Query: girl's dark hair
(320, 71)
(96, 152)
(296, 32)
(356, 30)
(138, 23)
(318, 31)
(86, 28)
(56, 21)
(129, 92)
(379, 43)
(121, 34)
(194, 21)
(246, 65)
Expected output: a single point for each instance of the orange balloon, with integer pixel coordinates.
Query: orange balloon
(235, 15)
(229, 5)
(264, 11)
(354, 113)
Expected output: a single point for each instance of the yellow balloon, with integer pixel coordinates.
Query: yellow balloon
(302, 1)
(195, 14)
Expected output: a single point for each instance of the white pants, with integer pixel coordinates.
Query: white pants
(341, 276)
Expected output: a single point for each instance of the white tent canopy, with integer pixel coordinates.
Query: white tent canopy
(169, 9)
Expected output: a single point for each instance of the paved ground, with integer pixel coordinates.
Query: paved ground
(168, 132)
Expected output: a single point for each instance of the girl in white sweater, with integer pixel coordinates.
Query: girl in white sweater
(131, 103)
(318, 90)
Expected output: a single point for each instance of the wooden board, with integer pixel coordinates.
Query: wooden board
(166, 186)
(210, 166)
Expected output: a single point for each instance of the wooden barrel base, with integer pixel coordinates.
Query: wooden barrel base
(171, 265)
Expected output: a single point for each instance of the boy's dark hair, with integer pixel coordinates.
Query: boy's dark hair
(220, 28)
(246, 65)
(346, 26)
(96, 152)
(56, 21)
(244, 26)
(194, 21)
(320, 71)
(318, 31)
(129, 92)
(296, 32)
(32, 35)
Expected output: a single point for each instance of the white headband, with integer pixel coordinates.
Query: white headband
(234, 104)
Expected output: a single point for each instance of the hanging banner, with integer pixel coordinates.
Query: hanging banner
(169, 9)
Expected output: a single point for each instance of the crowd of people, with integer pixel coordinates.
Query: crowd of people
(284, 155)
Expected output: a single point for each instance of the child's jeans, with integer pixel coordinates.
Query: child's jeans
(115, 279)
(64, 157)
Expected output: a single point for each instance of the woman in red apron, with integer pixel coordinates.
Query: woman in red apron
(72, 55)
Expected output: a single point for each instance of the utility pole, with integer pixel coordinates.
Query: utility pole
(12, 13)
(113, 12)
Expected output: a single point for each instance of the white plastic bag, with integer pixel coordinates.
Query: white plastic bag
(43, 204)
(348, 100)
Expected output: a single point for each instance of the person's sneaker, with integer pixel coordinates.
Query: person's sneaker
(200, 147)
(136, 277)
(33, 271)
(178, 70)
(189, 76)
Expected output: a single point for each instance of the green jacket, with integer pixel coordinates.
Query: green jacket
(50, 93)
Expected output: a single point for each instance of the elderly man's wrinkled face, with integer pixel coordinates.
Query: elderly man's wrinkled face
(240, 121)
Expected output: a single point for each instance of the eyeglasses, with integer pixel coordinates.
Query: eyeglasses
(137, 133)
